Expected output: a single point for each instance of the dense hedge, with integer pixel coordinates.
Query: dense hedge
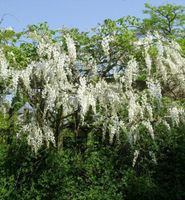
(94, 172)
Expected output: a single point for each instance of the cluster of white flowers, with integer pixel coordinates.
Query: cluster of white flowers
(35, 135)
(130, 73)
(86, 98)
(114, 128)
(44, 48)
(71, 48)
(4, 73)
(26, 77)
(147, 107)
(161, 70)
(105, 44)
(136, 154)
(177, 115)
(159, 46)
(132, 107)
(167, 125)
(49, 135)
(148, 61)
(169, 63)
(154, 89)
(15, 81)
(149, 127)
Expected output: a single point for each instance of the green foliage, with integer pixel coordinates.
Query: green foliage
(4, 122)
(168, 19)
(100, 172)
(181, 42)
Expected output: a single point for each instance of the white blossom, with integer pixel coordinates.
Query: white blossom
(148, 62)
(132, 106)
(35, 135)
(154, 89)
(48, 135)
(71, 48)
(130, 73)
(177, 115)
(167, 125)
(149, 127)
(4, 72)
(136, 154)
(106, 44)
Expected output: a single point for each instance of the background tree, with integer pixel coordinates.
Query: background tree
(168, 19)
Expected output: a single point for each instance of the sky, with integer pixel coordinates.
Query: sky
(82, 14)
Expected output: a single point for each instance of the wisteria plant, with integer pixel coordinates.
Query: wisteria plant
(96, 87)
